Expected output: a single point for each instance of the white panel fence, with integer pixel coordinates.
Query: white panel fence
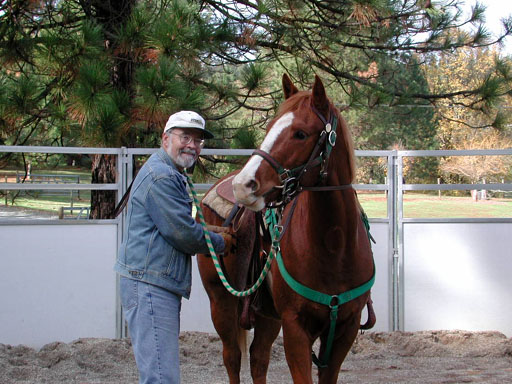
(58, 283)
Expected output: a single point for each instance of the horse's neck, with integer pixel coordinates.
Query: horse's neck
(333, 217)
(337, 208)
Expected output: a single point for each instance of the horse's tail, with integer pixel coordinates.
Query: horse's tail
(242, 344)
(370, 322)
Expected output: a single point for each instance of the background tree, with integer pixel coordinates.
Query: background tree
(477, 168)
(108, 73)
(463, 117)
(340, 39)
(470, 121)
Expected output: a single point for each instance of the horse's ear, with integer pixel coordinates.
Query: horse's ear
(319, 99)
(288, 88)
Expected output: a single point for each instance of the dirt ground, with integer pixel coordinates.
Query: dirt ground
(397, 357)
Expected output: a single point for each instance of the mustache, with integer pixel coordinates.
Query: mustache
(188, 151)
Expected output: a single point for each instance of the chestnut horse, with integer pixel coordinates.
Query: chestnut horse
(304, 167)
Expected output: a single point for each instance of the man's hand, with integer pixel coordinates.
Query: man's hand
(227, 235)
(229, 242)
(217, 229)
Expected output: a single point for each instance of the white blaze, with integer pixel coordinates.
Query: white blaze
(248, 173)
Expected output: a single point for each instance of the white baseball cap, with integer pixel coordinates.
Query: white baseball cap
(187, 119)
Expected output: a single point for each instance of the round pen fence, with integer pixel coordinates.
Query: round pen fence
(432, 272)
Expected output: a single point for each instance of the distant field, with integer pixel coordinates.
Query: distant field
(416, 205)
(47, 201)
(429, 206)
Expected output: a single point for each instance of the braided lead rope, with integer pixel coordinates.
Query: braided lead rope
(213, 254)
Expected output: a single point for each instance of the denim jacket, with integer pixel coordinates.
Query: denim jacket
(161, 234)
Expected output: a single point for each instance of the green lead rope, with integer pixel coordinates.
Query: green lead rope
(215, 259)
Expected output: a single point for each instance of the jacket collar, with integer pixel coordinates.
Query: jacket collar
(166, 159)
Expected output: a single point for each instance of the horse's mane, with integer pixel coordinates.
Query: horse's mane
(302, 99)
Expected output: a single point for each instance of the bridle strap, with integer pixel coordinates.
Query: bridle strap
(291, 179)
(320, 116)
(273, 163)
(328, 188)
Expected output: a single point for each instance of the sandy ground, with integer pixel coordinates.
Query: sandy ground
(398, 357)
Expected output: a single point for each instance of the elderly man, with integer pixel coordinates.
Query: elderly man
(155, 256)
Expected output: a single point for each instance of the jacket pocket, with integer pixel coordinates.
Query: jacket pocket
(177, 265)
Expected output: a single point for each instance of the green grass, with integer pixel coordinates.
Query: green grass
(45, 201)
(51, 203)
(429, 206)
(416, 205)
(375, 205)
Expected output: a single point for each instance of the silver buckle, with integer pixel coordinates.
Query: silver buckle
(332, 138)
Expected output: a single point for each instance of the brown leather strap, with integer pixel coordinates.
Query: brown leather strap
(277, 167)
(123, 202)
(288, 219)
(231, 215)
(370, 322)
(328, 188)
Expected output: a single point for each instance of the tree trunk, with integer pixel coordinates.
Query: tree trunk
(111, 14)
(103, 203)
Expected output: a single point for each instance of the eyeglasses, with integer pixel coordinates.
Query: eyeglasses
(187, 139)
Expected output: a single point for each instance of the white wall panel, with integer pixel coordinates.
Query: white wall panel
(458, 276)
(382, 288)
(57, 283)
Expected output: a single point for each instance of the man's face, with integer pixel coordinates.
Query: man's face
(183, 155)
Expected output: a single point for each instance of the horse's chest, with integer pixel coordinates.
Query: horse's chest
(334, 240)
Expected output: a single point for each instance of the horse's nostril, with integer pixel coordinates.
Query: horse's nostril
(252, 185)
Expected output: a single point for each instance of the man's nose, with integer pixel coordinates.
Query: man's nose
(194, 146)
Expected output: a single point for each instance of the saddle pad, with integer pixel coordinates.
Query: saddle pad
(225, 189)
(220, 204)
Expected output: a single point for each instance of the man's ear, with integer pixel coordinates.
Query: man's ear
(166, 139)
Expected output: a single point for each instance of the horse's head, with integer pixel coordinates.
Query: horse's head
(296, 149)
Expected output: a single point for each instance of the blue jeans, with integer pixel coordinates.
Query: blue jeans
(153, 317)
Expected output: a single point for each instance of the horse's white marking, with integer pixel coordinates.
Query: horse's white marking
(248, 173)
(284, 122)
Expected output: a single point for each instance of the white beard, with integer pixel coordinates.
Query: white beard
(183, 160)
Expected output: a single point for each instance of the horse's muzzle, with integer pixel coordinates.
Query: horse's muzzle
(244, 191)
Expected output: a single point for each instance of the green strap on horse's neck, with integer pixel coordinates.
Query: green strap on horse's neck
(332, 301)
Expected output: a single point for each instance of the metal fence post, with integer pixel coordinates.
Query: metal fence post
(122, 165)
(399, 255)
(393, 230)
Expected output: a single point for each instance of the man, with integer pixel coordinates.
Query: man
(155, 257)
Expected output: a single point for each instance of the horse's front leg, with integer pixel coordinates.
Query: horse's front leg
(265, 332)
(346, 333)
(224, 310)
(297, 348)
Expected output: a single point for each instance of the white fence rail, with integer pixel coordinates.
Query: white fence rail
(58, 281)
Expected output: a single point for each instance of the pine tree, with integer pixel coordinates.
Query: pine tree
(106, 73)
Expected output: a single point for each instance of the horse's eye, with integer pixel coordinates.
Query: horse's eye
(301, 135)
